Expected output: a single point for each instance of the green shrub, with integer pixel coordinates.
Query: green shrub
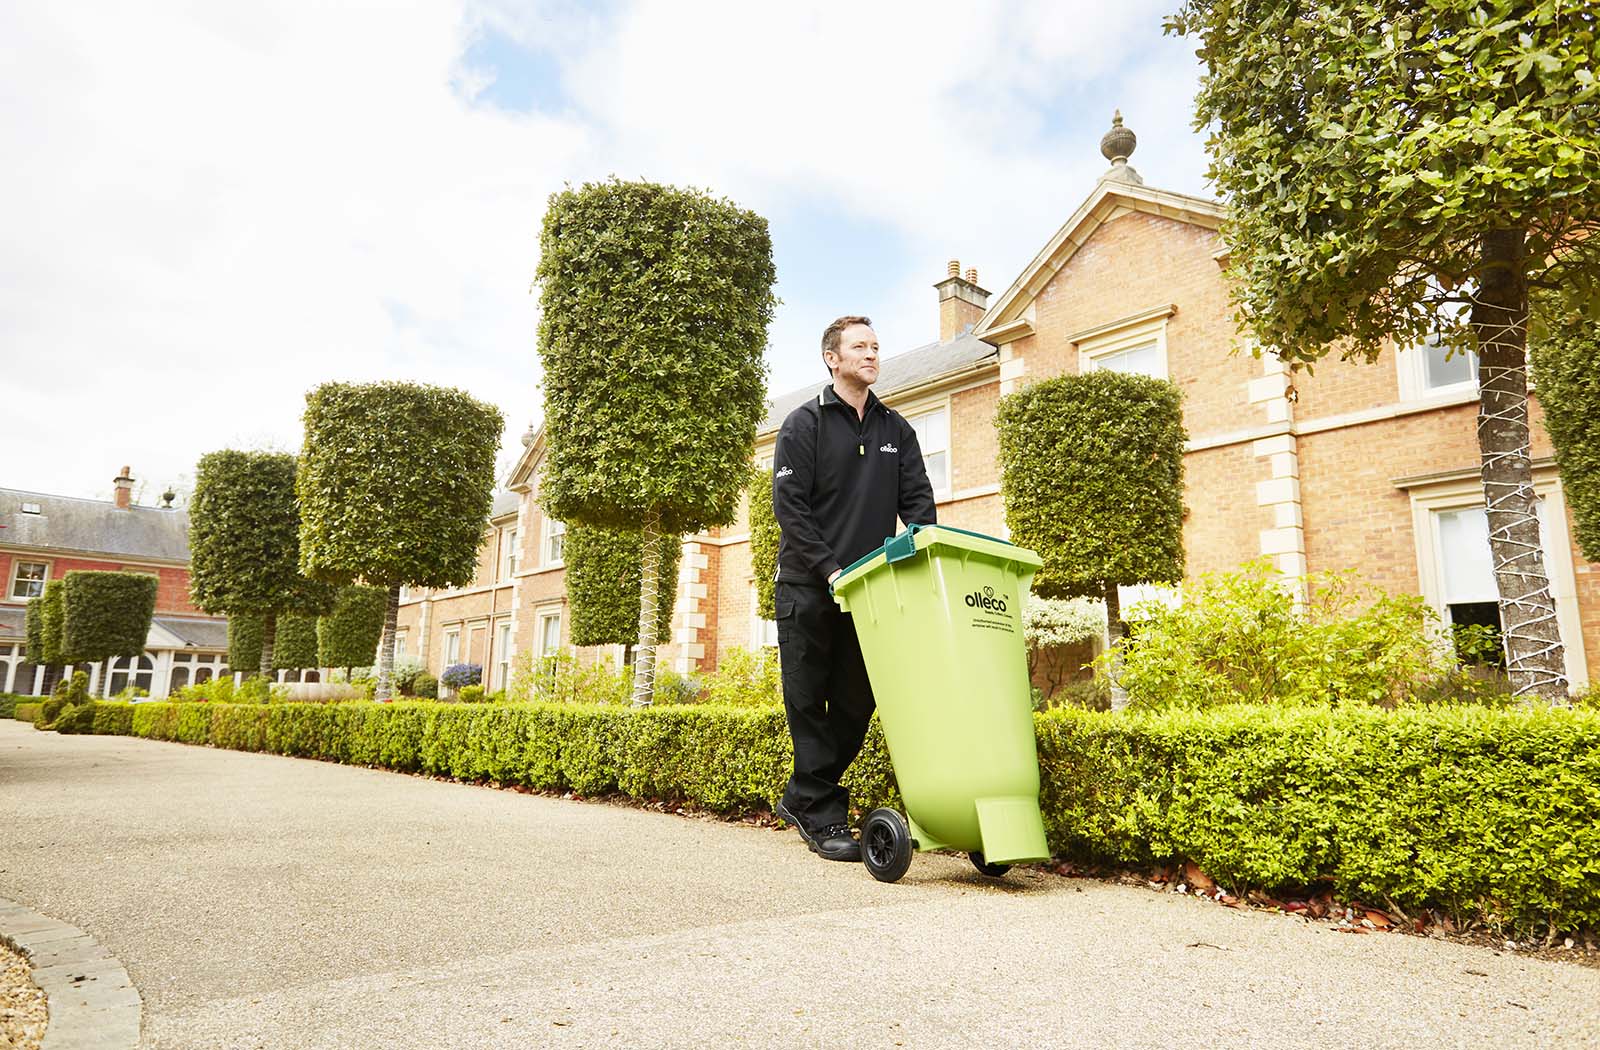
(561, 679)
(744, 677)
(79, 718)
(27, 712)
(426, 686)
(405, 675)
(106, 614)
(1239, 637)
(8, 704)
(68, 693)
(1493, 814)
(213, 690)
(471, 694)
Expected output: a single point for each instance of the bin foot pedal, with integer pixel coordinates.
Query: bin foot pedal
(1012, 829)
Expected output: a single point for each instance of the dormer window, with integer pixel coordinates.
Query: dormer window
(30, 508)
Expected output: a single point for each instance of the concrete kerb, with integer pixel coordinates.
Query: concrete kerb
(93, 1005)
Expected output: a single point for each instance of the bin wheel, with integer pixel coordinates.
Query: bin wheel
(886, 845)
(994, 870)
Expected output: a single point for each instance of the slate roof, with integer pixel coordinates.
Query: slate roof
(67, 523)
(505, 502)
(894, 373)
(199, 634)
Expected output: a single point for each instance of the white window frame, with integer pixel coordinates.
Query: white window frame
(940, 408)
(1411, 368)
(510, 539)
(1107, 340)
(543, 617)
(399, 646)
(763, 633)
(452, 640)
(16, 567)
(552, 529)
(504, 650)
(1464, 493)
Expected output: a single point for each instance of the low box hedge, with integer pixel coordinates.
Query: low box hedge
(27, 712)
(9, 702)
(1492, 813)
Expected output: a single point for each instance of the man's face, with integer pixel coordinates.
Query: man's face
(856, 360)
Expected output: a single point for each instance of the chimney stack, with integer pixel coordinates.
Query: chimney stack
(961, 301)
(124, 493)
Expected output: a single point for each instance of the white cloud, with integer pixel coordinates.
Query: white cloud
(212, 209)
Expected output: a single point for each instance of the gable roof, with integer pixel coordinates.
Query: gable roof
(66, 523)
(900, 372)
(1010, 316)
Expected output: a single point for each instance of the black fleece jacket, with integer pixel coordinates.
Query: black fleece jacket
(839, 481)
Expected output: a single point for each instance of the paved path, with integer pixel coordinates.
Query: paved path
(267, 902)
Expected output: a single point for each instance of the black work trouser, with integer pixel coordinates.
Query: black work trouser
(827, 698)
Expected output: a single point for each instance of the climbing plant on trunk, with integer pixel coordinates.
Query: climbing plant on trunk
(1092, 479)
(1398, 172)
(655, 303)
(244, 543)
(395, 484)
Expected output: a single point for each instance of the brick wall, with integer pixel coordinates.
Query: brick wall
(172, 592)
(974, 442)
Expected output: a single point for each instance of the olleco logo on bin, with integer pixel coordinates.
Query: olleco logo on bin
(985, 599)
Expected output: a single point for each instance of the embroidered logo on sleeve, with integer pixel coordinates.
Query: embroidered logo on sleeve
(887, 448)
(783, 472)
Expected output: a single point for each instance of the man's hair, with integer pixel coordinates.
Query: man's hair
(831, 334)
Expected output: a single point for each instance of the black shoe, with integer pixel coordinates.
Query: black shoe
(833, 842)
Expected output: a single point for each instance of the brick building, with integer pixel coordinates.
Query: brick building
(44, 537)
(1372, 467)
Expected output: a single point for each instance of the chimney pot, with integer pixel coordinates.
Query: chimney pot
(955, 268)
(972, 275)
(123, 496)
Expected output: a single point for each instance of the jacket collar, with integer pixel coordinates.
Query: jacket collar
(829, 396)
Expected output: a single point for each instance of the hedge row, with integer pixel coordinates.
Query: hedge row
(27, 712)
(9, 702)
(1483, 812)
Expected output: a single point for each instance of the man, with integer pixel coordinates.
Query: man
(845, 467)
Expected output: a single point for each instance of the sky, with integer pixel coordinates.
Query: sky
(211, 207)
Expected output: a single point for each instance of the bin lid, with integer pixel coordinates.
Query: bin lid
(920, 537)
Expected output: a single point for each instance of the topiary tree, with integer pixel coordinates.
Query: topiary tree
(295, 642)
(603, 572)
(106, 615)
(348, 635)
(764, 537)
(1398, 171)
(1565, 370)
(244, 640)
(655, 305)
(52, 612)
(244, 543)
(1092, 479)
(34, 623)
(395, 485)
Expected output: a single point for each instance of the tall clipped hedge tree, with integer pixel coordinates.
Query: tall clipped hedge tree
(294, 646)
(1092, 479)
(655, 306)
(348, 635)
(52, 613)
(244, 543)
(764, 536)
(1397, 171)
(395, 484)
(603, 572)
(106, 615)
(1566, 369)
(244, 640)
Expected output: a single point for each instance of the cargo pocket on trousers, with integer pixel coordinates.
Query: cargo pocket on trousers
(784, 608)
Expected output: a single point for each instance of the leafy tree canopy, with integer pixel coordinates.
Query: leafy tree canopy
(348, 635)
(295, 645)
(395, 483)
(244, 535)
(106, 614)
(603, 573)
(52, 614)
(1367, 147)
(1092, 478)
(655, 305)
(244, 641)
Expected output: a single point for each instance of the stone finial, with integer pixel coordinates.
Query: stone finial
(954, 269)
(527, 437)
(1117, 146)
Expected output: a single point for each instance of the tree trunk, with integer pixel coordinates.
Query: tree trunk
(269, 639)
(1115, 634)
(1535, 661)
(391, 616)
(644, 661)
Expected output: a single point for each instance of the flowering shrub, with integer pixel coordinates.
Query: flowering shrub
(457, 676)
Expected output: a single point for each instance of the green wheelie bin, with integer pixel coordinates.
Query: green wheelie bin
(939, 614)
